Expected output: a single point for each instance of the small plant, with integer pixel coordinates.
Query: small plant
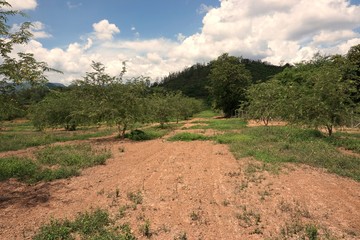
(242, 186)
(56, 229)
(226, 202)
(311, 232)
(145, 229)
(122, 211)
(263, 194)
(181, 236)
(136, 198)
(248, 218)
(195, 216)
(117, 192)
(101, 192)
(90, 223)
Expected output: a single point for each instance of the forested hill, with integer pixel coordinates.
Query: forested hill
(192, 81)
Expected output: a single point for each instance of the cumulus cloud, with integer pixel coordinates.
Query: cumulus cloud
(276, 31)
(105, 30)
(23, 4)
(38, 30)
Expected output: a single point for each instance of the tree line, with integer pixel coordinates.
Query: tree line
(96, 98)
(101, 98)
(321, 92)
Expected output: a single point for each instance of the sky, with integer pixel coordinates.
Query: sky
(157, 37)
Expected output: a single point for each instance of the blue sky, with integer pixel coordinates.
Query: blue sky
(67, 21)
(161, 36)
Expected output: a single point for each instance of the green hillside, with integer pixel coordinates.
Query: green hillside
(192, 81)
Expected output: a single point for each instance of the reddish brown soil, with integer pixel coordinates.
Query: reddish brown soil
(194, 187)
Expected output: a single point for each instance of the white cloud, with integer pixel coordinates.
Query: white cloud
(204, 9)
(38, 30)
(23, 4)
(271, 30)
(105, 30)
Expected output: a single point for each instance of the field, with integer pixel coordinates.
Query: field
(206, 178)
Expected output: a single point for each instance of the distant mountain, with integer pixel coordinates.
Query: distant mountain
(192, 81)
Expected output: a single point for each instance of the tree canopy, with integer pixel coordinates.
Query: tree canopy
(229, 80)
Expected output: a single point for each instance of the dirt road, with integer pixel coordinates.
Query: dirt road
(197, 188)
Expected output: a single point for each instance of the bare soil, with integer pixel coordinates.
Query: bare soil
(197, 188)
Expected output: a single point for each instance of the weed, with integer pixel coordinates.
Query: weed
(311, 232)
(145, 229)
(195, 216)
(284, 206)
(117, 192)
(226, 203)
(126, 234)
(164, 228)
(136, 198)
(257, 231)
(181, 236)
(248, 218)
(56, 229)
(242, 186)
(122, 211)
(101, 192)
(263, 194)
(233, 174)
(90, 223)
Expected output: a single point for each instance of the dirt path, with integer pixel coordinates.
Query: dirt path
(194, 187)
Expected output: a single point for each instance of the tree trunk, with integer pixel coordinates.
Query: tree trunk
(329, 129)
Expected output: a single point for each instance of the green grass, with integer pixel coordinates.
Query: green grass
(147, 133)
(206, 114)
(89, 225)
(289, 144)
(15, 140)
(21, 126)
(53, 162)
(221, 124)
(346, 140)
(188, 137)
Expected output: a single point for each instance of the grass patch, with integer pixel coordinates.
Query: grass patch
(231, 138)
(346, 140)
(289, 144)
(206, 114)
(53, 162)
(221, 124)
(187, 137)
(19, 140)
(147, 134)
(89, 225)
